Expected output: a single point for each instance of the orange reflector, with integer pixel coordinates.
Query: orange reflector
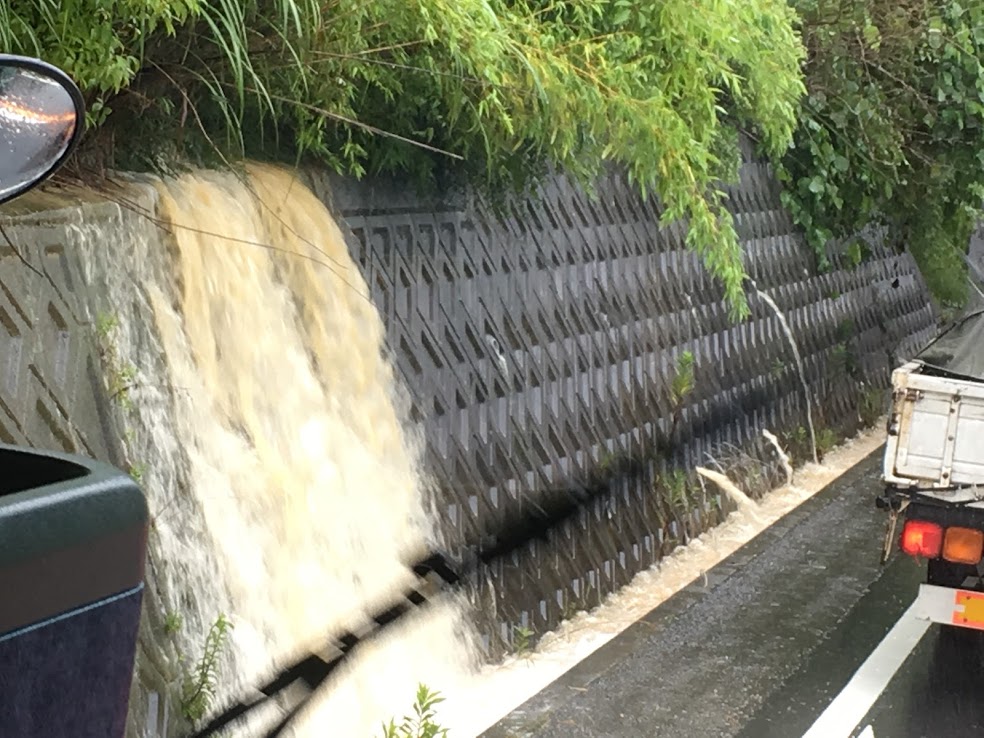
(963, 545)
(922, 538)
(973, 609)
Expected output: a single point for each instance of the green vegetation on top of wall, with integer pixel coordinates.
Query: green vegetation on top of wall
(888, 128)
(892, 129)
(498, 90)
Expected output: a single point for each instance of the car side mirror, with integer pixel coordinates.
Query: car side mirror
(41, 116)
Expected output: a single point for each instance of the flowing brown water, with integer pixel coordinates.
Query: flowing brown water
(309, 496)
(284, 488)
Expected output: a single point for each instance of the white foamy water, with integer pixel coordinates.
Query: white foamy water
(283, 488)
(478, 702)
(284, 491)
(791, 339)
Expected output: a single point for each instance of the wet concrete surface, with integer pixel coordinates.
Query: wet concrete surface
(791, 710)
(56, 358)
(763, 646)
(52, 394)
(939, 691)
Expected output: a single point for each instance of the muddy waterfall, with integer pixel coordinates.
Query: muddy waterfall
(284, 486)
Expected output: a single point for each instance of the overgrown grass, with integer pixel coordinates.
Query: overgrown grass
(494, 90)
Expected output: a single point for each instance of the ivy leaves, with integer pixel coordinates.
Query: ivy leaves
(892, 130)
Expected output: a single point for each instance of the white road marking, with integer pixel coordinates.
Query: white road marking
(867, 733)
(849, 707)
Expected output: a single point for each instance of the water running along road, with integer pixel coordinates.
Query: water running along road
(772, 638)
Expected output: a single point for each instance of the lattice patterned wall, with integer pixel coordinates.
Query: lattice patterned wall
(539, 345)
(51, 387)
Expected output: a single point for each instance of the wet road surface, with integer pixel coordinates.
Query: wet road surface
(775, 634)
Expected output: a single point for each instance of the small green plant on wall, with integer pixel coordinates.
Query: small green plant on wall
(827, 439)
(423, 722)
(872, 406)
(683, 380)
(682, 386)
(201, 683)
(137, 472)
(523, 640)
(120, 377)
(798, 444)
(677, 492)
(172, 622)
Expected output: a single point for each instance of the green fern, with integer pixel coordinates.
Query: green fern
(200, 685)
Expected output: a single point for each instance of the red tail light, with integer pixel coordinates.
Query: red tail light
(922, 538)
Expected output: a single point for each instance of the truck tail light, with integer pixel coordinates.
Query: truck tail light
(963, 545)
(922, 538)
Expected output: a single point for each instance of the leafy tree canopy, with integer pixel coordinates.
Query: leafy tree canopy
(892, 128)
(501, 88)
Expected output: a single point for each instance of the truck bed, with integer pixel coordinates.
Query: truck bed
(936, 432)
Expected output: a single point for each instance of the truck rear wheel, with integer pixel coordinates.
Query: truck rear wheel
(946, 574)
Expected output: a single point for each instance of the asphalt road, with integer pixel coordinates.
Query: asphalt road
(789, 623)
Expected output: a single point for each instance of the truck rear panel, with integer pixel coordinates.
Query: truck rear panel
(949, 606)
(934, 471)
(936, 431)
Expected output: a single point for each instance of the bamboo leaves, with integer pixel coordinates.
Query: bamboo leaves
(511, 88)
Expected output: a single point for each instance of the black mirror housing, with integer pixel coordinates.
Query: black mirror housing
(73, 535)
(41, 118)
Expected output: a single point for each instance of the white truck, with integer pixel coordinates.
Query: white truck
(934, 471)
